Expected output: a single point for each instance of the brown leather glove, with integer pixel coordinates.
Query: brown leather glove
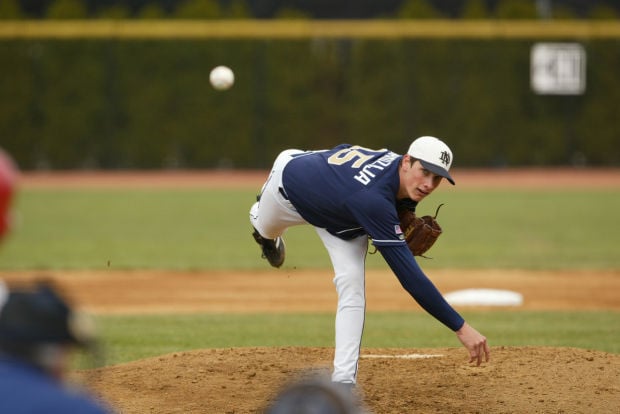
(420, 232)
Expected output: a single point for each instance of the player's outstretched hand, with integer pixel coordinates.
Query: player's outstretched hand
(475, 343)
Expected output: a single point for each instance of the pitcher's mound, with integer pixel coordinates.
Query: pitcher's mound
(439, 380)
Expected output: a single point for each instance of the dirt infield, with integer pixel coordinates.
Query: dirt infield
(466, 178)
(244, 380)
(294, 290)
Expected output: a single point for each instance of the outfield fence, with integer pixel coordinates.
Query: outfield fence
(304, 29)
(135, 94)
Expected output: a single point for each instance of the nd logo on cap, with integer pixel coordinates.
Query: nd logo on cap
(433, 154)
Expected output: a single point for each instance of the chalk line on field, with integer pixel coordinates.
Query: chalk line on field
(405, 356)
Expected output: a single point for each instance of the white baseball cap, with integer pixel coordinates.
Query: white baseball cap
(433, 154)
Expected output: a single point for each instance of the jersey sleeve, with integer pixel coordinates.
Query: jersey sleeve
(419, 286)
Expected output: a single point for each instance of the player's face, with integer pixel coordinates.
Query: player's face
(416, 182)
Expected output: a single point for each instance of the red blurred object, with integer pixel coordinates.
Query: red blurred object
(8, 178)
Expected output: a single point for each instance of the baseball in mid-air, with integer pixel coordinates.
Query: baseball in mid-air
(222, 77)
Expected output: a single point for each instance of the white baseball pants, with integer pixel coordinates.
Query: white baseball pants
(271, 216)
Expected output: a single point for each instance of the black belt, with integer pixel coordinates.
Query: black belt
(281, 190)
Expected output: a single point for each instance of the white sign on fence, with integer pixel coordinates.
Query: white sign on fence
(558, 68)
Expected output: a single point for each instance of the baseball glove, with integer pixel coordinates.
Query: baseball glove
(420, 232)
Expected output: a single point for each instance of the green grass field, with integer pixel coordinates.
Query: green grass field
(200, 229)
(131, 337)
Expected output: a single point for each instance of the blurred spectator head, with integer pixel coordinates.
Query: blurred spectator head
(316, 396)
(38, 326)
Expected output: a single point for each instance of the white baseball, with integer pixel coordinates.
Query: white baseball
(222, 77)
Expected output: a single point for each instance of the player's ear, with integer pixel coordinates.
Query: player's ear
(404, 162)
(408, 162)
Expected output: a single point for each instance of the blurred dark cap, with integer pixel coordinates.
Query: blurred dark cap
(31, 316)
(316, 396)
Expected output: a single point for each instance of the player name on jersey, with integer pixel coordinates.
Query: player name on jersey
(366, 175)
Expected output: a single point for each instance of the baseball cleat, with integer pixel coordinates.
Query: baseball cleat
(273, 249)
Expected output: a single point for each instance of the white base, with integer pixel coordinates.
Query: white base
(484, 297)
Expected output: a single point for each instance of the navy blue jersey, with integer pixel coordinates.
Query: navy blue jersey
(351, 191)
(348, 190)
(26, 389)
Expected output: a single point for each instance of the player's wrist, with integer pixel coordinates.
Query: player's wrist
(460, 330)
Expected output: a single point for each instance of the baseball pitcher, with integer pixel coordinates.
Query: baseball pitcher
(349, 194)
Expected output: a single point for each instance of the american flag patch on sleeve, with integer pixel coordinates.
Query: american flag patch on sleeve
(398, 231)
